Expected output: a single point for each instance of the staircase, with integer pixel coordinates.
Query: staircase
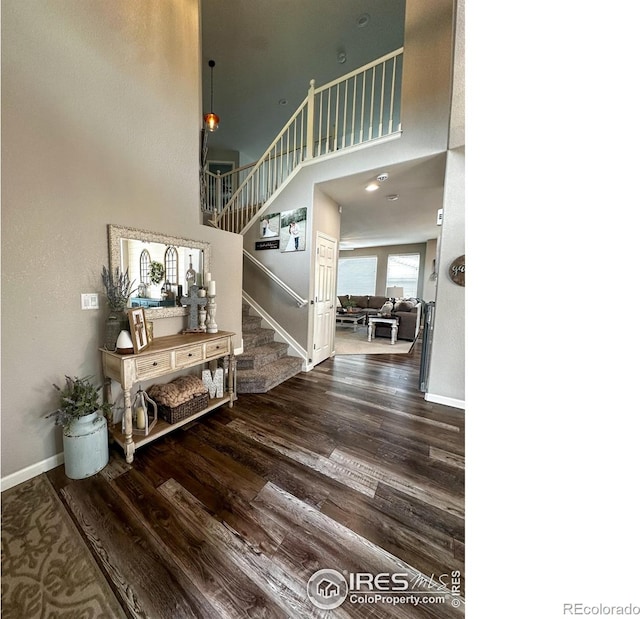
(360, 107)
(265, 362)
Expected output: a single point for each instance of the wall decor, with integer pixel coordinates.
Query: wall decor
(456, 271)
(138, 326)
(275, 244)
(269, 225)
(293, 230)
(125, 245)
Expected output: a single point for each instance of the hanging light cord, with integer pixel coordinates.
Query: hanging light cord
(212, 64)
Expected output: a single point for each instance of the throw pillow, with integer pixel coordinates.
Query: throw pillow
(404, 306)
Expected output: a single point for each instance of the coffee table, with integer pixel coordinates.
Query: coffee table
(353, 318)
(377, 320)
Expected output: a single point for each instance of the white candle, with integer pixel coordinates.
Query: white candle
(207, 278)
(140, 418)
(211, 289)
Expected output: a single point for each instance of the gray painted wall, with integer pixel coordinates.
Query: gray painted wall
(446, 378)
(100, 124)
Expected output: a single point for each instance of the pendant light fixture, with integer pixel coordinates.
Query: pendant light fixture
(211, 120)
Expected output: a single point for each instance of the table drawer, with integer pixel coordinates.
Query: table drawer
(153, 365)
(217, 349)
(188, 356)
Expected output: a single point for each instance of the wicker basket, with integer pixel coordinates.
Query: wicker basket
(190, 407)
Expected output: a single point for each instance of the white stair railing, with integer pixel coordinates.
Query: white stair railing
(357, 108)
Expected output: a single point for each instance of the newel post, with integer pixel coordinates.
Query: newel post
(311, 97)
(218, 181)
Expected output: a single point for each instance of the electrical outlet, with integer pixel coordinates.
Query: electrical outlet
(89, 301)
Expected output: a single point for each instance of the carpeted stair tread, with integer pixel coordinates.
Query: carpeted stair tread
(257, 357)
(269, 376)
(257, 337)
(251, 323)
(264, 364)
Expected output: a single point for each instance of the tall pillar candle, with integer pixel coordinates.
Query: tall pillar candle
(211, 289)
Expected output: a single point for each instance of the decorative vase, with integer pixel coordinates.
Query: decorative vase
(86, 446)
(113, 326)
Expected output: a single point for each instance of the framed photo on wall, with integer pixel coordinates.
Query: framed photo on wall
(138, 328)
(293, 230)
(269, 226)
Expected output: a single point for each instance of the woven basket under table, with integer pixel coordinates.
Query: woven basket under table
(190, 407)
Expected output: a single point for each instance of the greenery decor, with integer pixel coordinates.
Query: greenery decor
(78, 397)
(118, 288)
(156, 272)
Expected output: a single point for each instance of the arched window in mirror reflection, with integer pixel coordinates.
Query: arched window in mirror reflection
(171, 265)
(145, 263)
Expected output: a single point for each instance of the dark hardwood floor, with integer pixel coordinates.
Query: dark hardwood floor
(345, 467)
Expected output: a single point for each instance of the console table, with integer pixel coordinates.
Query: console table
(163, 356)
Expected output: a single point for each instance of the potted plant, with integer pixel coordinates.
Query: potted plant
(118, 288)
(82, 413)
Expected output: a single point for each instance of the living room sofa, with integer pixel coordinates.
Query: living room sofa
(407, 311)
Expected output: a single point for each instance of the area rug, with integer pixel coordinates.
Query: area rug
(47, 570)
(350, 342)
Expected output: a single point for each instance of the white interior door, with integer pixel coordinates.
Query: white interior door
(324, 314)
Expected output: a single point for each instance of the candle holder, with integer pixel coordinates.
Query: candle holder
(143, 419)
(202, 319)
(212, 327)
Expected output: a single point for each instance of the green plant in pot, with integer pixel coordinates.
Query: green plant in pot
(82, 413)
(118, 288)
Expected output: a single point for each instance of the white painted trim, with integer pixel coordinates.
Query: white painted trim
(443, 399)
(294, 347)
(31, 471)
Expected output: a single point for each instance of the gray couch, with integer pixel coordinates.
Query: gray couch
(407, 311)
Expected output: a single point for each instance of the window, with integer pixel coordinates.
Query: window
(145, 263)
(171, 265)
(357, 275)
(402, 270)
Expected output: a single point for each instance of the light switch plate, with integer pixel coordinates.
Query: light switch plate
(89, 301)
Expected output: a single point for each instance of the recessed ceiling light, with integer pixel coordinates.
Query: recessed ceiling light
(373, 186)
(283, 102)
(393, 197)
(363, 20)
(383, 176)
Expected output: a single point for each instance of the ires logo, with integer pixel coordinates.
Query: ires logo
(327, 589)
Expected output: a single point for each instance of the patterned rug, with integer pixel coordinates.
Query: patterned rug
(47, 570)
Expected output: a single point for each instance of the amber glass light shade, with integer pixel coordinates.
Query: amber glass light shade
(211, 121)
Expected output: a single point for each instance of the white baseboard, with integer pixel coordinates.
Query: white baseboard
(31, 471)
(442, 399)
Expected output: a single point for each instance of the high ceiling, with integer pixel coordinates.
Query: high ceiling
(267, 51)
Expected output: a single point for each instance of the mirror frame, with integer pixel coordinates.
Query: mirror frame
(117, 233)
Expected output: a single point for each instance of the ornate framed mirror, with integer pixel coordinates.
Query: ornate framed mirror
(158, 266)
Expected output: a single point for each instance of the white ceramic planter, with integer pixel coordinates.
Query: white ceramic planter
(86, 446)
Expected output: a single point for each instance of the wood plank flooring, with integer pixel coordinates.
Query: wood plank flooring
(345, 467)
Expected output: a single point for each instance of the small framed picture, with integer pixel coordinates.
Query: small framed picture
(138, 327)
